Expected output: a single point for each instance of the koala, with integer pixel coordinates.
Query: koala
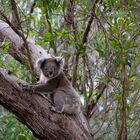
(56, 86)
(42, 78)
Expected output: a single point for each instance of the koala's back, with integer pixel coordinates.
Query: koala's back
(66, 96)
(69, 101)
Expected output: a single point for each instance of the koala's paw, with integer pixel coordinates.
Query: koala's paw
(26, 87)
(57, 109)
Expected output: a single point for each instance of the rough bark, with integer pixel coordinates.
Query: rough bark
(33, 110)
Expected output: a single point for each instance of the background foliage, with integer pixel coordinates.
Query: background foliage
(108, 55)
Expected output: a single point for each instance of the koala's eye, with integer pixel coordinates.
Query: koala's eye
(45, 69)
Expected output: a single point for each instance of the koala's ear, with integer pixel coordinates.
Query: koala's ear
(40, 62)
(59, 60)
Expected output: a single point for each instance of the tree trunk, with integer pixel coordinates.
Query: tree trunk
(33, 110)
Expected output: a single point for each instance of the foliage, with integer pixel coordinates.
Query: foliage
(11, 129)
(14, 67)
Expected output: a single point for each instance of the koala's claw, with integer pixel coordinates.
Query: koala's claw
(26, 87)
(56, 109)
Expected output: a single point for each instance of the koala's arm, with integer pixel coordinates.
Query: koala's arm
(40, 88)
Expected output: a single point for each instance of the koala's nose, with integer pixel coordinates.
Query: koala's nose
(50, 72)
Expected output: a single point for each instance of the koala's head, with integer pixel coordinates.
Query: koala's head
(51, 67)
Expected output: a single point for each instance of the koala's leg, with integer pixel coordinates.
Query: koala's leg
(57, 109)
(71, 109)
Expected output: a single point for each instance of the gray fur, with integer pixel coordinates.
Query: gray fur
(57, 88)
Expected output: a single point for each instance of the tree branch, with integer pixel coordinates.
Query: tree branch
(17, 50)
(20, 33)
(86, 32)
(33, 110)
(100, 90)
(84, 38)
